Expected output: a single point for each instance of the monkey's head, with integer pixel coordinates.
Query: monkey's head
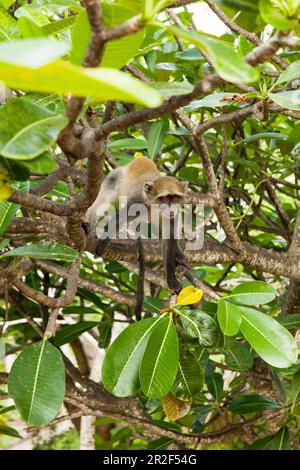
(165, 190)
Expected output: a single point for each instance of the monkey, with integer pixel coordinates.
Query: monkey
(141, 183)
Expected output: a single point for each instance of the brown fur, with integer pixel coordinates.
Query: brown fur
(140, 166)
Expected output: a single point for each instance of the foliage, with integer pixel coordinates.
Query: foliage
(217, 112)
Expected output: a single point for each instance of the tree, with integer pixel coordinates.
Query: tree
(85, 87)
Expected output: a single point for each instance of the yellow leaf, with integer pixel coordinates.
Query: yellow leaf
(138, 155)
(189, 295)
(5, 187)
(174, 407)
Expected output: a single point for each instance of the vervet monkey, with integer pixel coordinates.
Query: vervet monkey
(141, 183)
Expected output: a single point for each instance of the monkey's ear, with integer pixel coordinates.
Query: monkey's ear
(148, 188)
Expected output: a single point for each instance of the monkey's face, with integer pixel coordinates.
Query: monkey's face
(165, 191)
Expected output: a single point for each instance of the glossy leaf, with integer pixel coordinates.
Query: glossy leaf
(271, 341)
(9, 431)
(159, 364)
(189, 379)
(39, 52)
(278, 441)
(290, 73)
(229, 317)
(211, 101)
(252, 403)
(156, 136)
(38, 394)
(9, 209)
(153, 304)
(8, 26)
(58, 26)
(130, 143)
(215, 384)
(116, 53)
(201, 327)
(287, 99)
(70, 332)
(32, 134)
(290, 321)
(172, 88)
(253, 293)
(42, 164)
(189, 295)
(57, 252)
(238, 355)
(276, 16)
(175, 408)
(228, 63)
(105, 331)
(120, 371)
(62, 77)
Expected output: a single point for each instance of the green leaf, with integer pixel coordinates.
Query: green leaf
(80, 310)
(287, 99)
(130, 143)
(8, 431)
(161, 443)
(58, 252)
(7, 3)
(200, 326)
(58, 26)
(70, 332)
(228, 63)
(189, 379)
(43, 164)
(116, 53)
(238, 355)
(35, 130)
(156, 136)
(252, 403)
(253, 293)
(8, 26)
(275, 16)
(159, 364)
(172, 88)
(229, 317)
(80, 38)
(37, 383)
(211, 101)
(290, 321)
(271, 341)
(7, 409)
(62, 77)
(215, 384)
(290, 73)
(17, 170)
(120, 371)
(152, 304)
(9, 209)
(38, 52)
(29, 29)
(105, 330)
(278, 441)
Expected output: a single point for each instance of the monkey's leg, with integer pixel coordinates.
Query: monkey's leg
(103, 243)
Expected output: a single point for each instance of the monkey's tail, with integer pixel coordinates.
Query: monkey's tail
(140, 283)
